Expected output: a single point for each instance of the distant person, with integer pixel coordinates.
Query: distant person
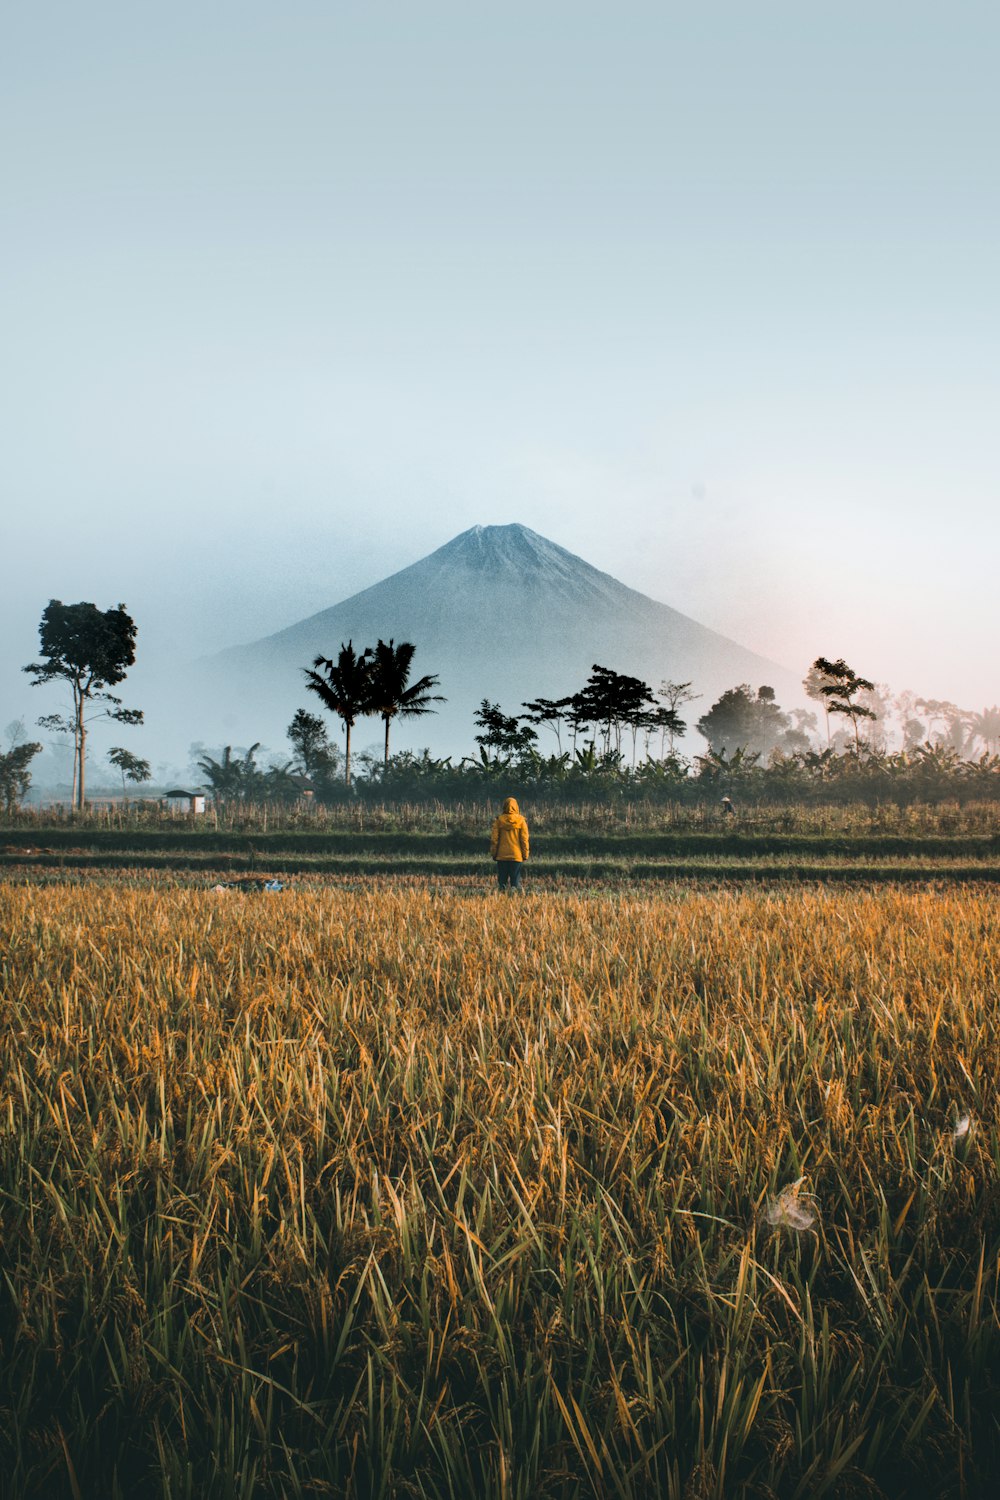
(509, 846)
(728, 810)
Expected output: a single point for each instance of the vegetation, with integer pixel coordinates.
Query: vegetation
(375, 683)
(343, 687)
(390, 693)
(131, 768)
(841, 689)
(90, 650)
(15, 761)
(614, 738)
(315, 757)
(234, 776)
(741, 721)
(439, 1196)
(927, 774)
(596, 845)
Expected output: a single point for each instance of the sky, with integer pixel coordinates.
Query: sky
(705, 292)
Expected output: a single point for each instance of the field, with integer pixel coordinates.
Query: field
(596, 846)
(677, 1189)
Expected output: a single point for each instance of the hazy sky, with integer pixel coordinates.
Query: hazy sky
(707, 293)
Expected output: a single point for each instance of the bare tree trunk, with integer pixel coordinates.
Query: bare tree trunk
(77, 718)
(83, 753)
(387, 742)
(347, 755)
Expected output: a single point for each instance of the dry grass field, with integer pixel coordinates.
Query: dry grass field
(389, 1192)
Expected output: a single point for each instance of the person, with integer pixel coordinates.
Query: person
(509, 846)
(728, 810)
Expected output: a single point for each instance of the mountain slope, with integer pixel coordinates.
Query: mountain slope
(499, 612)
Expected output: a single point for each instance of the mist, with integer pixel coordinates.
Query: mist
(498, 613)
(650, 289)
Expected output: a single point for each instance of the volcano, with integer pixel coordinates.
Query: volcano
(500, 613)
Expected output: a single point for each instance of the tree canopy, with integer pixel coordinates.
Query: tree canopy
(15, 776)
(841, 690)
(753, 722)
(91, 651)
(315, 757)
(344, 687)
(390, 692)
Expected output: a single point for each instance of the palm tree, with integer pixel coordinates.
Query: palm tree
(985, 727)
(345, 690)
(389, 694)
(233, 775)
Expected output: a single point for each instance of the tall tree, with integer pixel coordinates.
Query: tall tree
(391, 695)
(550, 711)
(842, 690)
(954, 724)
(913, 731)
(985, 727)
(91, 650)
(805, 727)
(675, 695)
(344, 687)
(815, 683)
(612, 700)
(670, 725)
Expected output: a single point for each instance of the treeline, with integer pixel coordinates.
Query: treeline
(614, 737)
(819, 777)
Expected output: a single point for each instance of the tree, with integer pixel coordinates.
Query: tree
(668, 723)
(985, 727)
(15, 778)
(550, 711)
(345, 690)
(675, 695)
(503, 734)
(234, 776)
(613, 701)
(878, 701)
(389, 695)
(805, 725)
(132, 767)
(815, 682)
(913, 731)
(839, 688)
(955, 725)
(741, 719)
(91, 650)
(315, 757)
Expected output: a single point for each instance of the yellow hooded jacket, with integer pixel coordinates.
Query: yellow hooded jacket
(509, 839)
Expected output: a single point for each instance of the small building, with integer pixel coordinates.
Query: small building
(180, 801)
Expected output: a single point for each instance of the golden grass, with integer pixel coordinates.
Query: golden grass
(397, 1192)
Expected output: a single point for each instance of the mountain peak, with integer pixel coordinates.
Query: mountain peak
(512, 540)
(521, 560)
(502, 613)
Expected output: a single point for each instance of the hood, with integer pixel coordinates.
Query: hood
(510, 805)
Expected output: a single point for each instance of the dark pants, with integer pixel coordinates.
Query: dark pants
(509, 874)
